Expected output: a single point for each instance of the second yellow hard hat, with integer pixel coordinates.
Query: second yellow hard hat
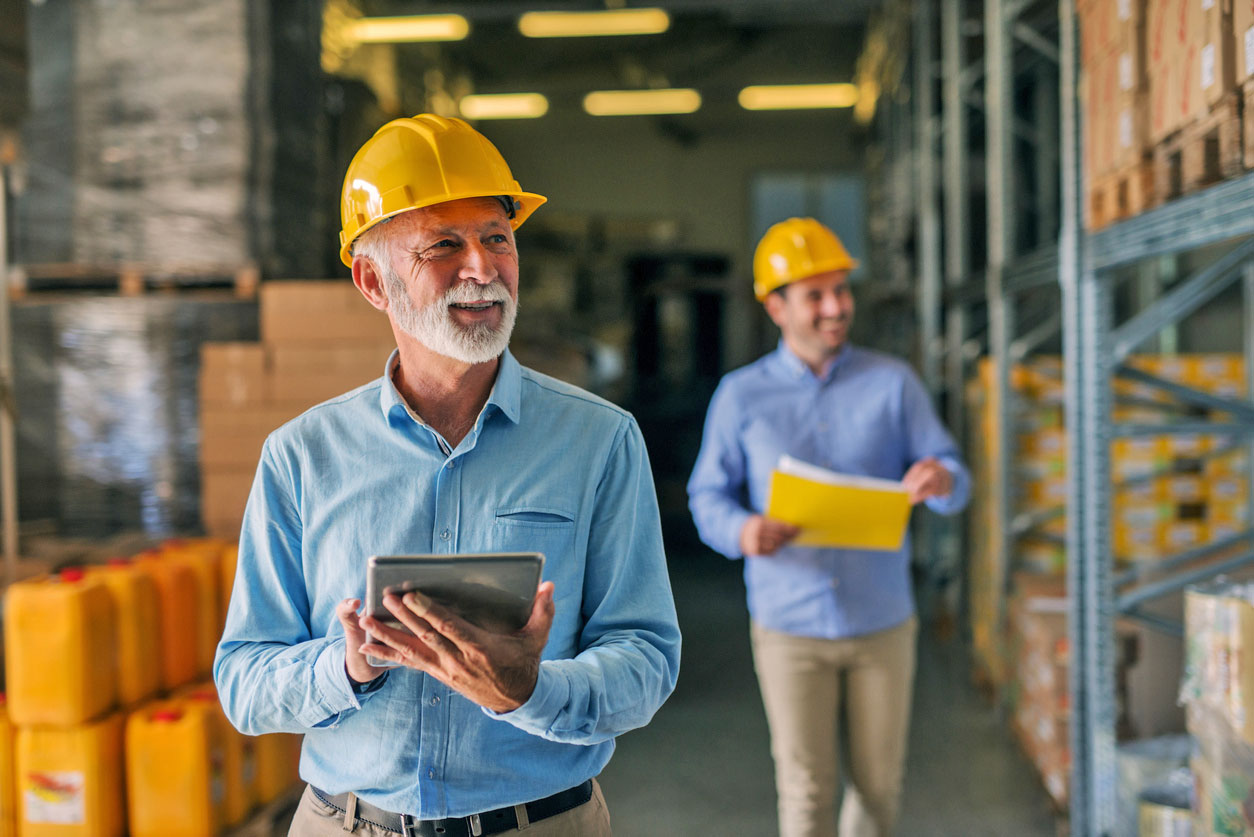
(796, 249)
(420, 161)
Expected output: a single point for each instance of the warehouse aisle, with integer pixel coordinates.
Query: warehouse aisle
(703, 766)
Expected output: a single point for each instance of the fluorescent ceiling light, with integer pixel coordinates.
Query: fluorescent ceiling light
(641, 102)
(408, 29)
(798, 96)
(582, 24)
(504, 106)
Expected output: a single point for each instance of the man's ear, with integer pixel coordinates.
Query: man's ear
(369, 282)
(774, 304)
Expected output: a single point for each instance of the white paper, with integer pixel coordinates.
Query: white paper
(797, 468)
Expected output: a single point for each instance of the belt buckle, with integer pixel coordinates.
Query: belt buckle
(476, 827)
(409, 826)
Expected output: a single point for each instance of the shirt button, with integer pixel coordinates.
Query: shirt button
(452, 463)
(431, 773)
(445, 535)
(435, 700)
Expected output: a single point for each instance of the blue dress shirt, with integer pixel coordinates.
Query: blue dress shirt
(868, 415)
(546, 468)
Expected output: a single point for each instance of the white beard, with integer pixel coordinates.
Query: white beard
(434, 327)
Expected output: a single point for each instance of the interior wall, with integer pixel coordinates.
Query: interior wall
(658, 168)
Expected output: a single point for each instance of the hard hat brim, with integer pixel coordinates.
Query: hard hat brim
(528, 202)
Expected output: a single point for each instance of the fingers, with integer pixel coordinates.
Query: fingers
(346, 612)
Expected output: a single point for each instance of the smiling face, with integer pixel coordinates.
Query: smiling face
(451, 278)
(814, 315)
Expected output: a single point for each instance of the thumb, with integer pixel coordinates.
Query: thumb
(542, 610)
(346, 612)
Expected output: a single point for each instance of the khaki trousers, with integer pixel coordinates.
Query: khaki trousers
(314, 818)
(804, 681)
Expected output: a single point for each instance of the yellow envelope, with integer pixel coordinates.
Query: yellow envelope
(838, 510)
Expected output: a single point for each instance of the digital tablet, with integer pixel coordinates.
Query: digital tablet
(491, 590)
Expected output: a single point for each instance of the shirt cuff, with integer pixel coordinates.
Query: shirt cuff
(540, 712)
(331, 683)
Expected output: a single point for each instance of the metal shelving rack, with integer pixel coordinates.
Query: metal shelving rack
(962, 313)
(1094, 348)
(1085, 268)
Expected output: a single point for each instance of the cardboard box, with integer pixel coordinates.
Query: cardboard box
(1216, 48)
(308, 311)
(223, 496)
(233, 438)
(233, 375)
(1243, 38)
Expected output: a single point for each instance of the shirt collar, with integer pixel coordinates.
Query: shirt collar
(506, 393)
(795, 367)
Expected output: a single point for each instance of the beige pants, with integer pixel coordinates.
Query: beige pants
(803, 681)
(314, 818)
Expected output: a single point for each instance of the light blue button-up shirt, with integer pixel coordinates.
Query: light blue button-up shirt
(868, 415)
(547, 468)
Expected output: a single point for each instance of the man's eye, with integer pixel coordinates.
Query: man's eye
(447, 242)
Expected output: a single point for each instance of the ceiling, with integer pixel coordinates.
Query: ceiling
(715, 46)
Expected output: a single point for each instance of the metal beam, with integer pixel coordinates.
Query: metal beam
(1217, 213)
(1147, 592)
(1182, 300)
(1167, 626)
(1038, 268)
(1090, 615)
(1030, 37)
(1198, 553)
(1125, 430)
(1242, 410)
(928, 229)
(1023, 345)
(1000, 194)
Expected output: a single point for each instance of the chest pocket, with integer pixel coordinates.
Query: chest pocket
(534, 529)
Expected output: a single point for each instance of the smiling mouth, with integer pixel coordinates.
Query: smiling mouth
(474, 306)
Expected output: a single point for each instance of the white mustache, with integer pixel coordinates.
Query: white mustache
(470, 292)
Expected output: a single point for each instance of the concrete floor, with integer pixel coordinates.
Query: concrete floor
(703, 766)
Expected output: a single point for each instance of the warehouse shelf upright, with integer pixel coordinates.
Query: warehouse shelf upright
(964, 311)
(1094, 349)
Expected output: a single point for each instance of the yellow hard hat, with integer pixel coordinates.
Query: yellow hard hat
(796, 249)
(414, 162)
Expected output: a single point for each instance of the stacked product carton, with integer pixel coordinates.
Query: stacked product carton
(1116, 95)
(1218, 693)
(318, 340)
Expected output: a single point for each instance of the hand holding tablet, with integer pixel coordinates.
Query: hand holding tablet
(493, 591)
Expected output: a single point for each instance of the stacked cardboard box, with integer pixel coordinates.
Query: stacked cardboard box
(318, 340)
(1172, 491)
(1243, 46)
(1042, 711)
(1116, 97)
(1218, 693)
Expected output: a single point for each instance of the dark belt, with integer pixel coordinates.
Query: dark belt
(488, 822)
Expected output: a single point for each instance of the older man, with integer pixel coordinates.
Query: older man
(456, 448)
(830, 627)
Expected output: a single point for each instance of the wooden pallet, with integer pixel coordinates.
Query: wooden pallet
(1127, 192)
(1203, 152)
(131, 279)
